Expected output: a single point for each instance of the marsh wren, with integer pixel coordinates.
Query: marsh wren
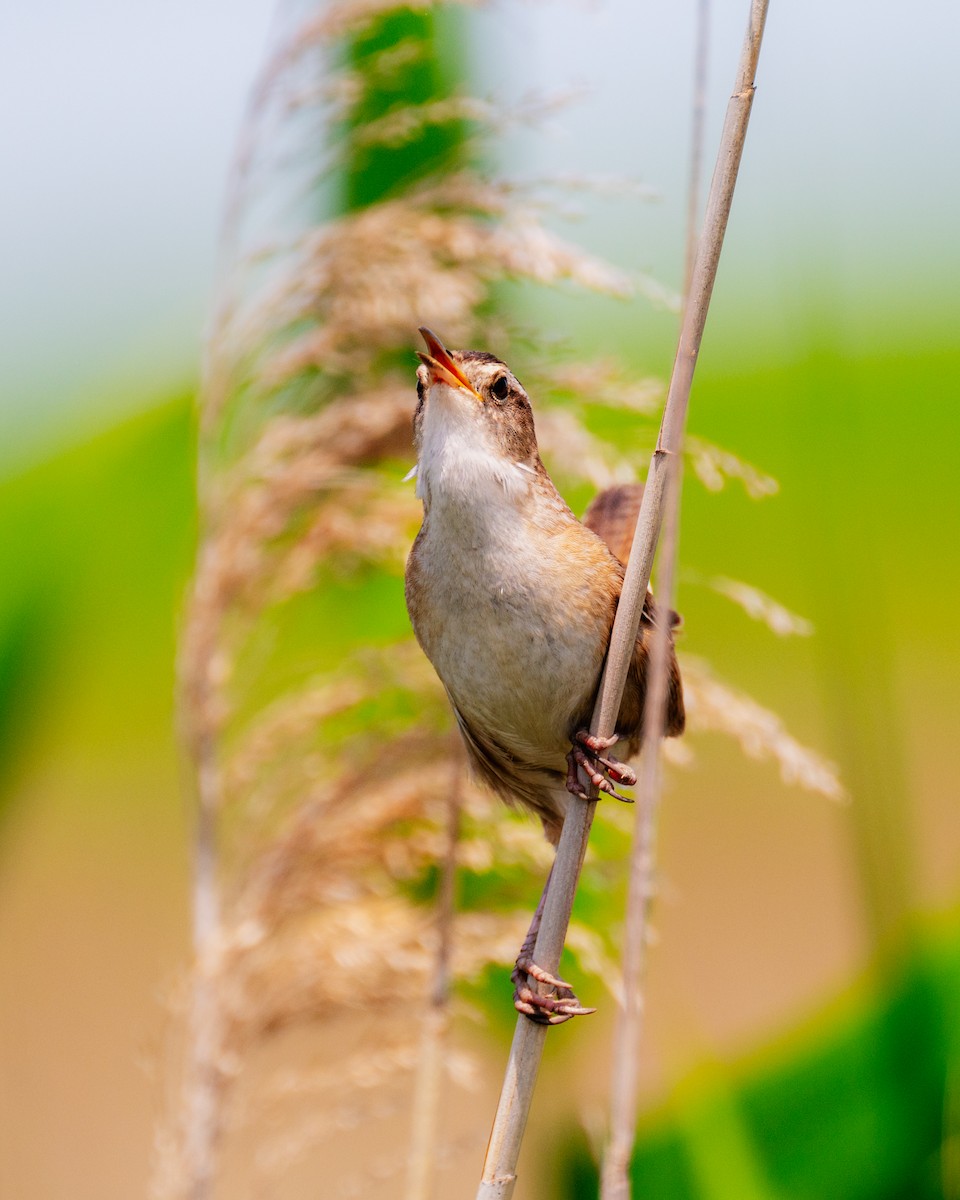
(512, 599)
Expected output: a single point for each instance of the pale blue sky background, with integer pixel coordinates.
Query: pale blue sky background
(117, 122)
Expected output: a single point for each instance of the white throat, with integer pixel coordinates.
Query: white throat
(459, 462)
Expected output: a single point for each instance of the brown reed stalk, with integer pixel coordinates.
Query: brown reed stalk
(428, 1084)
(615, 1183)
(203, 1078)
(640, 890)
(499, 1172)
(697, 128)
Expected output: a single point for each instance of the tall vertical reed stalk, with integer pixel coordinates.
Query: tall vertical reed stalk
(660, 493)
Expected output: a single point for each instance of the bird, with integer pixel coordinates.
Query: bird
(512, 599)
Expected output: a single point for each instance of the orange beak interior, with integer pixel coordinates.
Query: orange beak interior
(441, 364)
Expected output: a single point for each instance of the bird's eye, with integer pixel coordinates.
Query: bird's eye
(420, 389)
(500, 388)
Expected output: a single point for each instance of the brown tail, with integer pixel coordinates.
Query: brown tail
(612, 515)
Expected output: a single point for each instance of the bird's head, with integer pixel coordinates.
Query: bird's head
(474, 399)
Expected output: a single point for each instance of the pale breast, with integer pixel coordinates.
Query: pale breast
(515, 619)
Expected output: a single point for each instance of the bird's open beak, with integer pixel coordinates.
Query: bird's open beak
(442, 365)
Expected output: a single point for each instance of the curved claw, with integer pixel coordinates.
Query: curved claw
(544, 1009)
(541, 1018)
(620, 771)
(592, 764)
(617, 770)
(593, 741)
(526, 966)
(549, 1010)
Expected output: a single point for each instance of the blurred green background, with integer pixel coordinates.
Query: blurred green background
(804, 996)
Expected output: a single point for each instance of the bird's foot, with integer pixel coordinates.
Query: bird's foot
(603, 771)
(549, 1009)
